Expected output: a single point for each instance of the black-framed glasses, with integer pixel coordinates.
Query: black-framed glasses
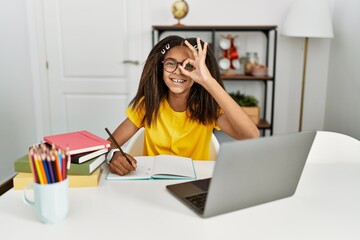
(170, 65)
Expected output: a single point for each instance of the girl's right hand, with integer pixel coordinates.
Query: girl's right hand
(119, 165)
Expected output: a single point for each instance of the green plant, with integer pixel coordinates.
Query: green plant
(244, 100)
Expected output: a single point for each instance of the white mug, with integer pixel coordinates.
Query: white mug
(51, 201)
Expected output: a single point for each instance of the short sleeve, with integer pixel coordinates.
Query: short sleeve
(220, 111)
(136, 116)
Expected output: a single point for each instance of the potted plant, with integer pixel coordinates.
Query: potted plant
(249, 104)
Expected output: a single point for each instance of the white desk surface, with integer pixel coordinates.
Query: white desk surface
(326, 205)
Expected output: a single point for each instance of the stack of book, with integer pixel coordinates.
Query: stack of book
(87, 153)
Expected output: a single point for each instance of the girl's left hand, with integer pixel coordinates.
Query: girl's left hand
(201, 73)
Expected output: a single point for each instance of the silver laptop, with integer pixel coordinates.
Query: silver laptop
(248, 173)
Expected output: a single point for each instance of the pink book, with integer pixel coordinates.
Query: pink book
(77, 142)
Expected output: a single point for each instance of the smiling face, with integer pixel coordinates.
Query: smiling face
(178, 84)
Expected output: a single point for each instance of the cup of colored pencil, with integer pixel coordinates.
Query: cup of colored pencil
(48, 165)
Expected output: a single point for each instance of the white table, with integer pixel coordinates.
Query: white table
(325, 206)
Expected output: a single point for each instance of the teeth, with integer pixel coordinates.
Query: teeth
(178, 80)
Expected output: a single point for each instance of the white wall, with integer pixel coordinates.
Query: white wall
(343, 95)
(20, 126)
(17, 108)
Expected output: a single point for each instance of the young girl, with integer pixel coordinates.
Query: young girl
(180, 100)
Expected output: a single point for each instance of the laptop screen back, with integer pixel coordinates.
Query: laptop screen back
(252, 172)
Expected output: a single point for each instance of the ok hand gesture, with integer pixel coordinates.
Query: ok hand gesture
(200, 73)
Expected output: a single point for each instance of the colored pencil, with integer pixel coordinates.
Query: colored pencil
(42, 169)
(47, 165)
(31, 162)
(58, 167)
(46, 169)
(54, 167)
(63, 166)
(38, 169)
(51, 169)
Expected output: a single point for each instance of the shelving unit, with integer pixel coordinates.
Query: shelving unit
(266, 123)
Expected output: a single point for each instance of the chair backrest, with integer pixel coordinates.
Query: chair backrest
(214, 147)
(135, 146)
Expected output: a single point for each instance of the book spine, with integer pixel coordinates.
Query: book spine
(75, 169)
(78, 169)
(22, 167)
(85, 181)
(75, 159)
(20, 181)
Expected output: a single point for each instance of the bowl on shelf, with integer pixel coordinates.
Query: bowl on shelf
(259, 70)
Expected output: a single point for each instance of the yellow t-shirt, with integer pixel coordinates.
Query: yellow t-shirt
(174, 133)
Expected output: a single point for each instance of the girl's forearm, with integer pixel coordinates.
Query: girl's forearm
(236, 122)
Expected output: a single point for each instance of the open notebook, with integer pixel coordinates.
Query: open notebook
(159, 167)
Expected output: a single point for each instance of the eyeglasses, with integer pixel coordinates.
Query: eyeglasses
(170, 65)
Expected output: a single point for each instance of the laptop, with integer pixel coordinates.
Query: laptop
(248, 173)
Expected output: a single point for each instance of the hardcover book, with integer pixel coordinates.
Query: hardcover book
(83, 157)
(22, 165)
(159, 167)
(22, 179)
(77, 142)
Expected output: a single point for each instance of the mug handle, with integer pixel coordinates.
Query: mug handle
(25, 198)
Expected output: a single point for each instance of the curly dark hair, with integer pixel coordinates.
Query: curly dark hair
(152, 89)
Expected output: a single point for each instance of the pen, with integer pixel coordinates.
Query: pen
(118, 146)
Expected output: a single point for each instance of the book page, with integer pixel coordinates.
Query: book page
(172, 167)
(143, 170)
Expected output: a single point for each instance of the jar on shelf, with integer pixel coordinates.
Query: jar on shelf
(252, 59)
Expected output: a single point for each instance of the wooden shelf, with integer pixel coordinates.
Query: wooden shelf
(246, 77)
(263, 124)
(269, 35)
(217, 28)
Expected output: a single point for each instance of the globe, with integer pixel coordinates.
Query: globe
(180, 9)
